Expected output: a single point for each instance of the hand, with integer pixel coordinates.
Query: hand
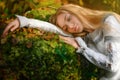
(81, 42)
(70, 41)
(11, 27)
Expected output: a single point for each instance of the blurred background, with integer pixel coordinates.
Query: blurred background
(10, 7)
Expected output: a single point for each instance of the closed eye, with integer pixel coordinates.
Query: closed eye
(68, 18)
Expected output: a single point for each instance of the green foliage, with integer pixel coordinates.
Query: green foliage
(31, 54)
(46, 3)
(11, 7)
(109, 5)
(39, 58)
(40, 13)
(34, 55)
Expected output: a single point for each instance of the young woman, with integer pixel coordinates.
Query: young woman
(94, 33)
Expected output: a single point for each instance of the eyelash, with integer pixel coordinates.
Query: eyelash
(69, 18)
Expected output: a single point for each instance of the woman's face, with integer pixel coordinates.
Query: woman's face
(69, 23)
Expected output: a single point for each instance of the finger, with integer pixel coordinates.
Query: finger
(68, 42)
(5, 32)
(14, 28)
(63, 38)
(3, 35)
(8, 27)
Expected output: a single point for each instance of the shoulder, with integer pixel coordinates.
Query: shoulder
(111, 23)
(110, 18)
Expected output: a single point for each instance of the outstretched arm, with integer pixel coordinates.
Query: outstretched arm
(46, 26)
(22, 21)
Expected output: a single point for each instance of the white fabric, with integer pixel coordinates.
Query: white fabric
(102, 47)
(46, 26)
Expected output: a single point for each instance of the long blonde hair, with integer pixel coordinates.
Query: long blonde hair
(91, 19)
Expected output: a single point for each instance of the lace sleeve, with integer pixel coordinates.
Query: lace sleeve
(109, 61)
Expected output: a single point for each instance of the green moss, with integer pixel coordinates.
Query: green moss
(40, 58)
(32, 56)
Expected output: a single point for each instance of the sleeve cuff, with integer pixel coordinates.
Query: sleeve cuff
(80, 50)
(23, 21)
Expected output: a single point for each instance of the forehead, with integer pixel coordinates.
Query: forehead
(61, 19)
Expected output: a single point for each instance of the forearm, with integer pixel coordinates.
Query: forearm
(98, 59)
(110, 61)
(34, 23)
(46, 26)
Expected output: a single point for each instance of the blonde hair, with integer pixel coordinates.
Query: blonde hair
(91, 19)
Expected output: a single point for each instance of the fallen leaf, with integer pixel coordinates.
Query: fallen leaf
(29, 44)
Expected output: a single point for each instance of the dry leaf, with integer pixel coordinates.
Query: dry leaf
(29, 44)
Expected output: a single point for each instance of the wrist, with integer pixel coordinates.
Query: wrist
(80, 50)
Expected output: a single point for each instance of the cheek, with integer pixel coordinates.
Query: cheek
(80, 28)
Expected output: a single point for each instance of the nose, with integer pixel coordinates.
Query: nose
(69, 25)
